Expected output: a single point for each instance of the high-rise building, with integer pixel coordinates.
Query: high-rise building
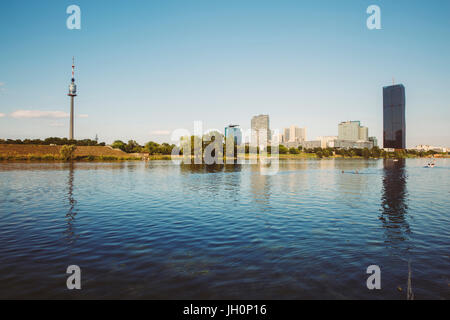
(260, 126)
(394, 119)
(296, 134)
(352, 131)
(234, 132)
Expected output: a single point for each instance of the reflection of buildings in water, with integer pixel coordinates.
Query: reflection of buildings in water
(214, 179)
(394, 200)
(260, 186)
(292, 177)
(356, 164)
(188, 168)
(325, 174)
(352, 180)
(232, 180)
(71, 213)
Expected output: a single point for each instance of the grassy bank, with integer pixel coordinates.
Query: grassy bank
(52, 157)
(101, 153)
(63, 153)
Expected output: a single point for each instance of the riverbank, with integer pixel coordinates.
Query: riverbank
(15, 152)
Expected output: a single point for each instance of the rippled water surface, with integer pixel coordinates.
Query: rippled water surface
(160, 230)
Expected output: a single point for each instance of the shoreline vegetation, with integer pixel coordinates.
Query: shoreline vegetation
(62, 149)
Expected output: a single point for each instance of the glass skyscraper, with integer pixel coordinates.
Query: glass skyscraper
(394, 120)
(234, 132)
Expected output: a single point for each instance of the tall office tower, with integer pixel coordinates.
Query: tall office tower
(352, 131)
(260, 125)
(72, 94)
(394, 119)
(234, 132)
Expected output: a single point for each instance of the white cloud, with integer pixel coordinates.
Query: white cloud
(2, 115)
(29, 114)
(83, 116)
(161, 132)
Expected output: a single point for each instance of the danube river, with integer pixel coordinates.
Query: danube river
(157, 230)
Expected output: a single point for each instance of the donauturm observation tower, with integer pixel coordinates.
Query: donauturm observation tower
(72, 94)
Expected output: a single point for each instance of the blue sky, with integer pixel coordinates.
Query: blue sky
(145, 68)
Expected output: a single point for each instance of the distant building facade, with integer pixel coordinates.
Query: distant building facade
(295, 134)
(352, 135)
(352, 131)
(311, 144)
(394, 119)
(327, 141)
(374, 141)
(260, 125)
(347, 144)
(234, 132)
(422, 147)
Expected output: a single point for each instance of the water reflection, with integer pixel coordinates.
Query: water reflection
(71, 213)
(213, 179)
(394, 200)
(260, 188)
(352, 181)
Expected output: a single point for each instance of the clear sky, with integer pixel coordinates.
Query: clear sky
(145, 68)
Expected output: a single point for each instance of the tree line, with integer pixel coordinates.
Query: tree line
(151, 147)
(154, 148)
(54, 141)
(375, 152)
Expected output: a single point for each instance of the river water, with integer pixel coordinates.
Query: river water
(157, 230)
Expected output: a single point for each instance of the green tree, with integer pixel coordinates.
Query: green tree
(282, 149)
(376, 152)
(366, 153)
(294, 151)
(166, 148)
(152, 147)
(133, 147)
(119, 144)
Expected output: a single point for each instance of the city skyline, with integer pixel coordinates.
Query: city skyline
(313, 65)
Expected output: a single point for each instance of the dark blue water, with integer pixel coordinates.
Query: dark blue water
(162, 231)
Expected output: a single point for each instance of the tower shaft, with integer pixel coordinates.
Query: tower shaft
(71, 118)
(72, 94)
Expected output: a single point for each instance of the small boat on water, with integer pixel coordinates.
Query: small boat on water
(430, 164)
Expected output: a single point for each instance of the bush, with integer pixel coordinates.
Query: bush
(34, 157)
(48, 157)
(67, 152)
